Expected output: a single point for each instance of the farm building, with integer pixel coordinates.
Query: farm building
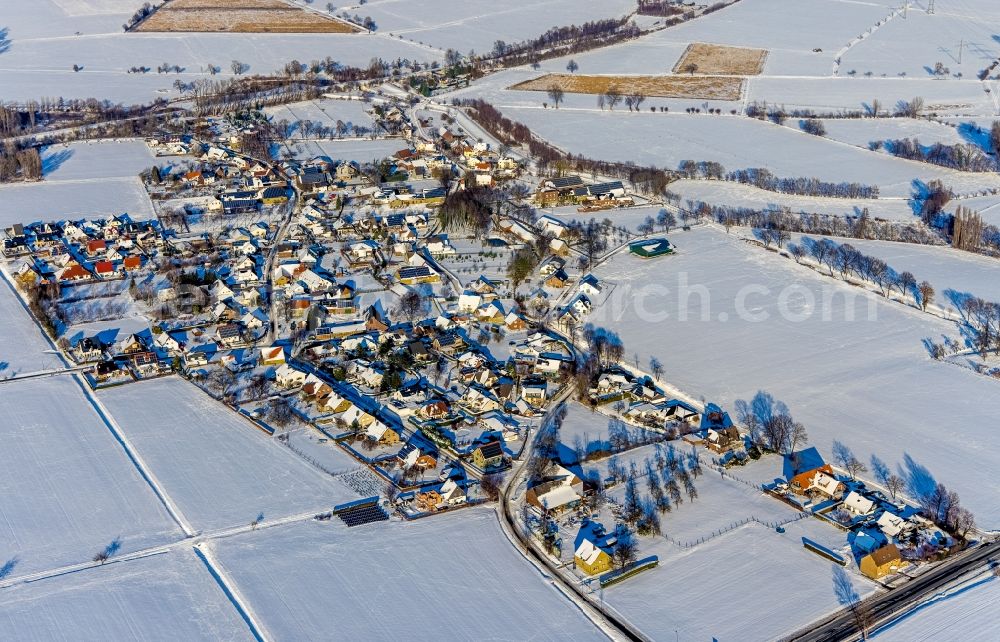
(651, 248)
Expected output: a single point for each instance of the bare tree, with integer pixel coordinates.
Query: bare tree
(571, 66)
(655, 367)
(894, 484)
(612, 97)
(926, 294)
(556, 94)
(625, 551)
(491, 485)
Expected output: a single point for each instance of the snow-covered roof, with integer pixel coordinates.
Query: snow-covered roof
(588, 552)
(858, 503)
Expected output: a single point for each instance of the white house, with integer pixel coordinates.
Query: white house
(857, 504)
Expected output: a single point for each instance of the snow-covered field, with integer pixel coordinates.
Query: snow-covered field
(170, 596)
(69, 488)
(951, 97)
(739, 195)
(82, 180)
(945, 268)
(22, 347)
(478, 24)
(867, 382)
(668, 139)
(218, 468)
(860, 132)
(916, 44)
(452, 576)
(48, 37)
(967, 613)
(95, 160)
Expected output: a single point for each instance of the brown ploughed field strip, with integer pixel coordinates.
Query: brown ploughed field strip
(240, 16)
(712, 60)
(700, 87)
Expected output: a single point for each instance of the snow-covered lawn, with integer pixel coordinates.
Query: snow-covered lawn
(360, 150)
(170, 596)
(69, 488)
(750, 584)
(449, 576)
(728, 320)
(968, 612)
(325, 111)
(218, 468)
(668, 139)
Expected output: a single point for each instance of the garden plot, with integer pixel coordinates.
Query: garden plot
(585, 430)
(292, 575)
(218, 468)
(69, 489)
(866, 381)
(670, 139)
(794, 586)
(626, 218)
(324, 112)
(478, 24)
(721, 502)
(23, 348)
(967, 611)
(170, 596)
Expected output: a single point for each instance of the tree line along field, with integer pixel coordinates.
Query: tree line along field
(719, 60)
(700, 87)
(239, 16)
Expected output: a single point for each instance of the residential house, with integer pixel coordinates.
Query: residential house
(881, 562)
(287, 376)
(857, 504)
(558, 491)
(489, 455)
(591, 559)
(820, 481)
(272, 356)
